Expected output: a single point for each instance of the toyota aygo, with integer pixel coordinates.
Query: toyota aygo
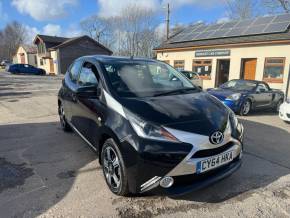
(151, 127)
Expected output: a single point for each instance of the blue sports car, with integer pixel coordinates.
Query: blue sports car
(243, 96)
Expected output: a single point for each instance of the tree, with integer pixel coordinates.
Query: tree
(277, 6)
(132, 33)
(241, 9)
(100, 29)
(11, 37)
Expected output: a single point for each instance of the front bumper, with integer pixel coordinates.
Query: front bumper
(233, 105)
(284, 112)
(156, 160)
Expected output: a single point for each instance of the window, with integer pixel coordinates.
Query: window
(179, 65)
(273, 70)
(202, 68)
(41, 61)
(74, 70)
(88, 75)
(35, 59)
(262, 87)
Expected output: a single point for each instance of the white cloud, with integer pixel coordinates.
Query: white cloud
(31, 33)
(44, 9)
(52, 29)
(73, 31)
(109, 8)
(223, 20)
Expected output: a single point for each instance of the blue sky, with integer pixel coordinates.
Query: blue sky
(62, 17)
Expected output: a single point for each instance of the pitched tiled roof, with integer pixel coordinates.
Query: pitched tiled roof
(31, 49)
(52, 39)
(75, 39)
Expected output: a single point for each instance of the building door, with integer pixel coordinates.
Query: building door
(51, 66)
(22, 58)
(223, 71)
(249, 69)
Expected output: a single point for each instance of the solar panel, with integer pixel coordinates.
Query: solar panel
(255, 30)
(261, 25)
(235, 32)
(277, 27)
(263, 20)
(282, 18)
(244, 23)
(220, 33)
(204, 35)
(214, 27)
(229, 24)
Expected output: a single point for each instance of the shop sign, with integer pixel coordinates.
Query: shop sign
(212, 53)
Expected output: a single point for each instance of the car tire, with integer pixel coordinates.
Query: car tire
(63, 122)
(245, 108)
(114, 168)
(277, 107)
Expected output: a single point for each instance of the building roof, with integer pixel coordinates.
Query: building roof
(50, 39)
(274, 29)
(76, 39)
(31, 49)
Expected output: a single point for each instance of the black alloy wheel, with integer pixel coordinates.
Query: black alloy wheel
(64, 124)
(114, 168)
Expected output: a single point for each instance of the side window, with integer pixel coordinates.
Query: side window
(74, 70)
(262, 88)
(89, 75)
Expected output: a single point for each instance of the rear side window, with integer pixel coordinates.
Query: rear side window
(74, 70)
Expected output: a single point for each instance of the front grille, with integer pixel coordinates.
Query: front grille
(212, 152)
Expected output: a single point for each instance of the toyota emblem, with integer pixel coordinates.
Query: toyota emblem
(217, 138)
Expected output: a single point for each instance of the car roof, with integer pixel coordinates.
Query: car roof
(105, 58)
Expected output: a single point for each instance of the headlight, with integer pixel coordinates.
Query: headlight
(149, 130)
(234, 97)
(234, 119)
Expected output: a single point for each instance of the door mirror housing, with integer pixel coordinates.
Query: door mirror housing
(88, 92)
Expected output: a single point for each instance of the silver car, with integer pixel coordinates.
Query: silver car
(194, 77)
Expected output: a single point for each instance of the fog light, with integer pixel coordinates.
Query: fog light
(166, 182)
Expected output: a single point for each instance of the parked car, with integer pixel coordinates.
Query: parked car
(147, 133)
(25, 69)
(244, 96)
(194, 77)
(4, 63)
(284, 112)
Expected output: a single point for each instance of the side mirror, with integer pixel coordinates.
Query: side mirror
(88, 92)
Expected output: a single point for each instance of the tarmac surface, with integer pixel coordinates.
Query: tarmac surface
(45, 172)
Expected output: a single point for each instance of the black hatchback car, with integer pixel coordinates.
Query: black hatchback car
(152, 128)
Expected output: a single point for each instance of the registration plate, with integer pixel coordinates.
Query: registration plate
(214, 162)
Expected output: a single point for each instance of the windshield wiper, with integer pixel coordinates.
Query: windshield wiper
(176, 91)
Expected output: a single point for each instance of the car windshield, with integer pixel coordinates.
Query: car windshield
(132, 78)
(239, 85)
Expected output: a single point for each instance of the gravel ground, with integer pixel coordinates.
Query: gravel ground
(47, 173)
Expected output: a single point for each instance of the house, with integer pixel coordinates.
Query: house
(255, 48)
(55, 54)
(26, 54)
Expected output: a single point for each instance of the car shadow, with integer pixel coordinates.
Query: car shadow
(265, 160)
(38, 167)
